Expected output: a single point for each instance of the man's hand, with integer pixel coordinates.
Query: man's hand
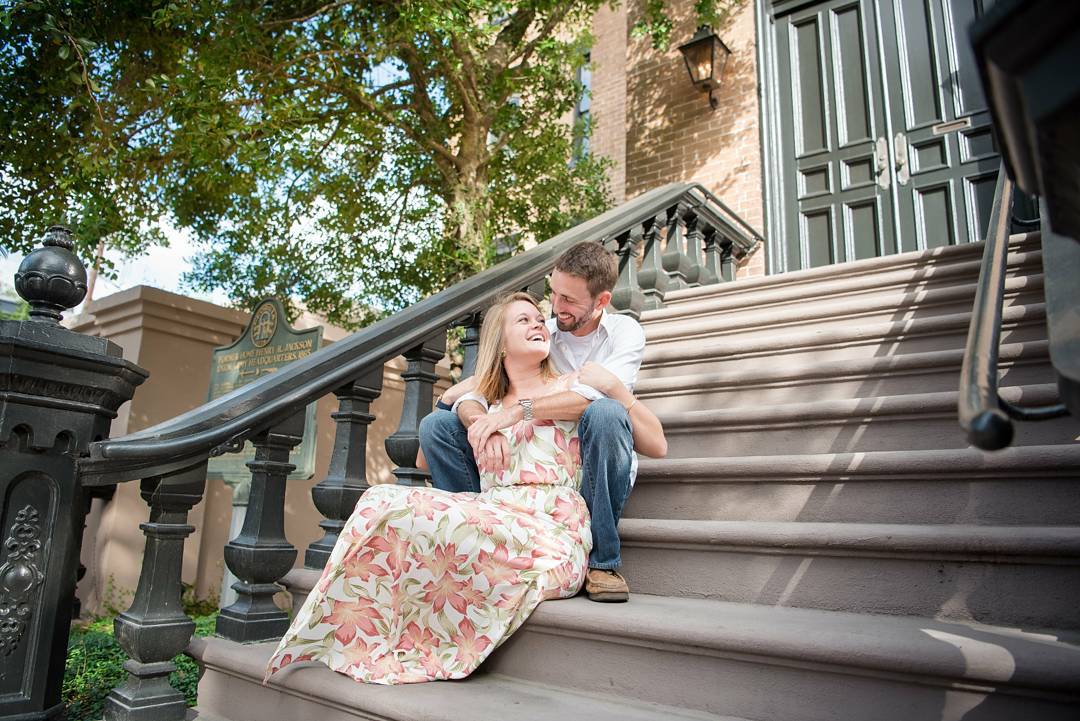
(469, 411)
(495, 456)
(451, 394)
(482, 428)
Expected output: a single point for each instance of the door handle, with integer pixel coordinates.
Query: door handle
(881, 162)
(903, 167)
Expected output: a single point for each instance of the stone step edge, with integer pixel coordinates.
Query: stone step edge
(909, 406)
(841, 641)
(903, 647)
(967, 464)
(1022, 267)
(942, 255)
(790, 342)
(1046, 545)
(1010, 355)
(481, 697)
(723, 322)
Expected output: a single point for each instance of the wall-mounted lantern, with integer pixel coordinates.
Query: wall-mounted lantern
(706, 55)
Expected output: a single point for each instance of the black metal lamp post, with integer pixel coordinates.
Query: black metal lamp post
(705, 56)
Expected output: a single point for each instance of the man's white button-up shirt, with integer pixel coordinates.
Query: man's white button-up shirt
(618, 344)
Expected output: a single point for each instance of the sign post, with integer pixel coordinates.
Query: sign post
(267, 344)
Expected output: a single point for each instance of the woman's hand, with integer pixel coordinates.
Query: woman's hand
(483, 427)
(597, 376)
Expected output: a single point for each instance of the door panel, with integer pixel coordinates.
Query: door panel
(832, 114)
(880, 148)
(943, 151)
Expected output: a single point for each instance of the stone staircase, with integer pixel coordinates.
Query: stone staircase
(820, 544)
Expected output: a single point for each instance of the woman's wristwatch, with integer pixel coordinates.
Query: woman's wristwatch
(526, 404)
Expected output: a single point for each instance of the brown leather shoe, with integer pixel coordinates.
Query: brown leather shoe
(606, 586)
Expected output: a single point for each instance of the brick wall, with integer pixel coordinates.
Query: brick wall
(609, 93)
(668, 131)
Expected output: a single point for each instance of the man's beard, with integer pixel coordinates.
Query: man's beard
(575, 323)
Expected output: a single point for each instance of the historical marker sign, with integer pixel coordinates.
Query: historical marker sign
(266, 345)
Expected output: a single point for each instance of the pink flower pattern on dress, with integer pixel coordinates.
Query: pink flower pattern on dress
(424, 584)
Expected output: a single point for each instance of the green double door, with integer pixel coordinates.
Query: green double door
(881, 138)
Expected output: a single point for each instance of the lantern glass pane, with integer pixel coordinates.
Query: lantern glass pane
(699, 61)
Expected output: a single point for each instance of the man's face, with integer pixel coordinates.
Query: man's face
(571, 303)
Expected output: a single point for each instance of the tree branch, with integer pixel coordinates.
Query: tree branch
(324, 9)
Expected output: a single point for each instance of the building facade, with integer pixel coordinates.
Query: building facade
(844, 129)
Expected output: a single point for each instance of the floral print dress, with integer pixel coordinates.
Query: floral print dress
(424, 584)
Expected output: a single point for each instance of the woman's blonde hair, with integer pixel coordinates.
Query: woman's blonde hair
(491, 379)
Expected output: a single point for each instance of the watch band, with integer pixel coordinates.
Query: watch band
(526, 404)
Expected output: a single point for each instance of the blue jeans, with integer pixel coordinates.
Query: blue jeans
(607, 447)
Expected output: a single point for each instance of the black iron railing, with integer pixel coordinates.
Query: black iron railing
(672, 237)
(986, 418)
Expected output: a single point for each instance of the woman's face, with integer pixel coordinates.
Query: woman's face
(525, 337)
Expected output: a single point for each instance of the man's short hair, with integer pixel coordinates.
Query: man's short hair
(591, 261)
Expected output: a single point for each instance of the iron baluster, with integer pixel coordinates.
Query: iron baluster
(470, 345)
(419, 378)
(346, 480)
(261, 554)
(155, 628)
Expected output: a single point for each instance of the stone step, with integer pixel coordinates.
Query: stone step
(795, 664)
(1023, 576)
(805, 347)
(765, 384)
(918, 265)
(230, 687)
(914, 421)
(824, 308)
(1032, 485)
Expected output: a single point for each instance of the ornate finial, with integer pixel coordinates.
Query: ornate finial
(52, 278)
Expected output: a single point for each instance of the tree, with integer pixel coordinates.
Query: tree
(353, 156)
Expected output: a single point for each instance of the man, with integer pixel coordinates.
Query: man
(456, 442)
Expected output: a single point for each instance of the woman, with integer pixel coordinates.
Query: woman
(424, 584)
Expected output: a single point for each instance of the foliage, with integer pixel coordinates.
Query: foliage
(21, 312)
(655, 22)
(95, 666)
(352, 156)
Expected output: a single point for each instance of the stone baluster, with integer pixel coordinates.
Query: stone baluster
(419, 377)
(155, 628)
(676, 264)
(651, 276)
(260, 555)
(627, 297)
(710, 271)
(470, 345)
(336, 495)
(61, 390)
(695, 237)
(727, 261)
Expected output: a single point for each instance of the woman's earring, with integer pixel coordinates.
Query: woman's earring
(502, 354)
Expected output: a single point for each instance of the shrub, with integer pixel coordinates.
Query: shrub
(95, 665)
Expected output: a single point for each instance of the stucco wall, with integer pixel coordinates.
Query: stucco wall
(172, 337)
